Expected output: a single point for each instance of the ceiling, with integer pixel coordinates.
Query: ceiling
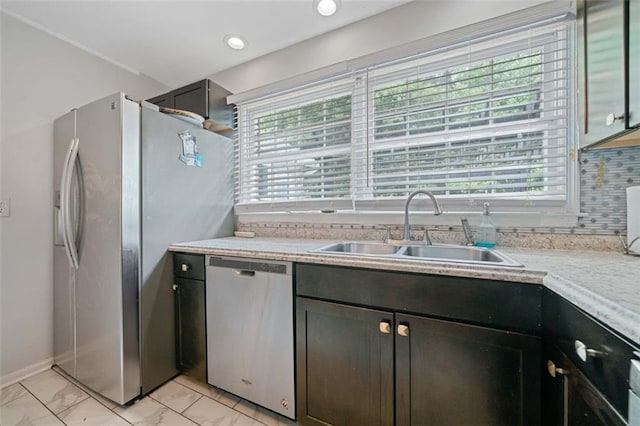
(178, 42)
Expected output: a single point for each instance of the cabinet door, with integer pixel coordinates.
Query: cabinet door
(552, 379)
(190, 327)
(345, 364)
(456, 374)
(162, 101)
(193, 98)
(585, 405)
(634, 63)
(605, 69)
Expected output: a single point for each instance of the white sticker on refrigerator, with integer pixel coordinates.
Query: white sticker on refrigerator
(190, 151)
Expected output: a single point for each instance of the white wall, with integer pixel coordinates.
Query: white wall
(398, 26)
(42, 78)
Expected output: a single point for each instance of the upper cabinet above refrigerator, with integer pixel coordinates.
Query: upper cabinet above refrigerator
(204, 98)
(609, 70)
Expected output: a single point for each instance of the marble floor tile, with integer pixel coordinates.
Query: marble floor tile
(26, 411)
(148, 412)
(176, 396)
(90, 412)
(53, 390)
(262, 414)
(219, 395)
(207, 412)
(9, 393)
(54, 398)
(101, 399)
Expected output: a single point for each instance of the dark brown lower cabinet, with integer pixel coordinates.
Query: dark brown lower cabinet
(189, 290)
(446, 373)
(191, 339)
(587, 377)
(585, 405)
(449, 373)
(345, 365)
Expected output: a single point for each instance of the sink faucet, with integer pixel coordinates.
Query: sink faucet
(436, 209)
(626, 248)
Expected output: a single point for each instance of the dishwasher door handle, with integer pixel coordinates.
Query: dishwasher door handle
(244, 273)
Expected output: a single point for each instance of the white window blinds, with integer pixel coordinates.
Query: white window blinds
(485, 120)
(294, 150)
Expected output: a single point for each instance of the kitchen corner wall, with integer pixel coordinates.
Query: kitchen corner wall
(42, 78)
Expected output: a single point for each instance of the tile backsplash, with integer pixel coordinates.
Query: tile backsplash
(604, 176)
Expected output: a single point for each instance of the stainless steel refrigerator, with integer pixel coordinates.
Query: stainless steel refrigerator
(128, 182)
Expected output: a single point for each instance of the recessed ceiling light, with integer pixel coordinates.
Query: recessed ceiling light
(326, 7)
(235, 41)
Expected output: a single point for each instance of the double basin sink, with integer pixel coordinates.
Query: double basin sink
(435, 252)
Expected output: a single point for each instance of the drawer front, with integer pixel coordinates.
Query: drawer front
(190, 266)
(602, 356)
(506, 305)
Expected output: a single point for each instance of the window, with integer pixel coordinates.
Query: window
(483, 120)
(297, 147)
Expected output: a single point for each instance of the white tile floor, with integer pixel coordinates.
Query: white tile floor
(52, 398)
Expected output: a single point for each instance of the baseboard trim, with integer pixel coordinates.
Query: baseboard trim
(25, 372)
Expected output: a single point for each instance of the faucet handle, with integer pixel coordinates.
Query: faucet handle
(387, 237)
(426, 238)
(467, 231)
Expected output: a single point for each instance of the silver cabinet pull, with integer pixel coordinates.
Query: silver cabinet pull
(611, 118)
(403, 330)
(244, 273)
(553, 370)
(184, 267)
(583, 352)
(385, 327)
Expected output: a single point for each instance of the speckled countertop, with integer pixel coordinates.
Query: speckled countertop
(605, 284)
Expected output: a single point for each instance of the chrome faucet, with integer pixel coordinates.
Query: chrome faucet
(436, 210)
(626, 248)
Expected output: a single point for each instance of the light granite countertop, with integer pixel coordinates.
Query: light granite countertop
(604, 284)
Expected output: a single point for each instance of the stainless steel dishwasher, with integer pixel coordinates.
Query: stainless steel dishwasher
(250, 330)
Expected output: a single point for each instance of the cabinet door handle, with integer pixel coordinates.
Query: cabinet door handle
(611, 118)
(385, 327)
(184, 267)
(583, 352)
(403, 330)
(553, 370)
(175, 287)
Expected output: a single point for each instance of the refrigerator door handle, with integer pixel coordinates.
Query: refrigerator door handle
(65, 203)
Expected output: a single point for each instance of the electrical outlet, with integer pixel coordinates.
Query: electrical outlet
(5, 207)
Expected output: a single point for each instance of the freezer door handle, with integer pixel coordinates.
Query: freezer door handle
(63, 196)
(65, 203)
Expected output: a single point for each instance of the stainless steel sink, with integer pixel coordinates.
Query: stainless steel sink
(360, 248)
(466, 254)
(436, 252)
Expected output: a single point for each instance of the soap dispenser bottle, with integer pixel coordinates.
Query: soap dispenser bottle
(486, 229)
